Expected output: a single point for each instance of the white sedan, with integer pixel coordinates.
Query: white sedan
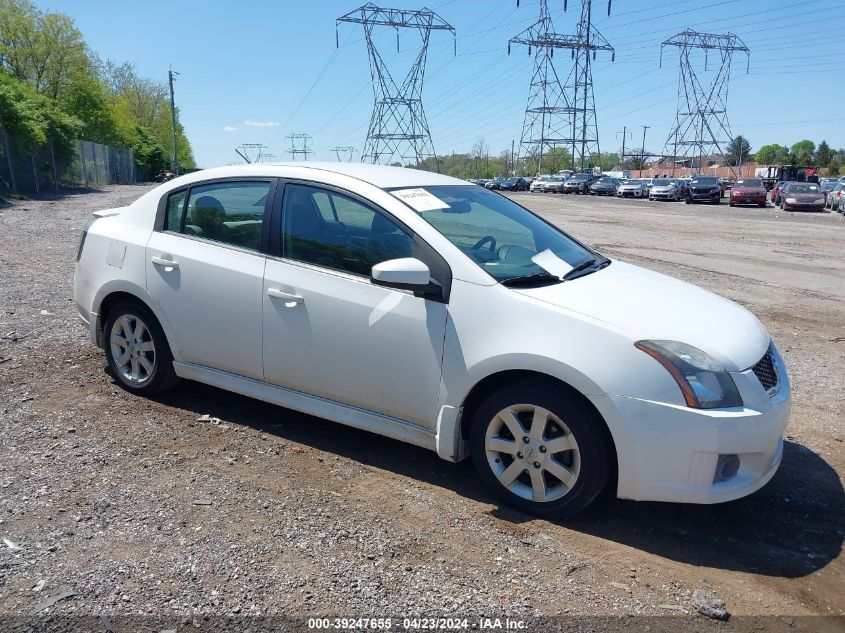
(436, 312)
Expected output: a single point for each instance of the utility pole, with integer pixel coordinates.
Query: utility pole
(675, 154)
(513, 163)
(642, 151)
(625, 134)
(174, 160)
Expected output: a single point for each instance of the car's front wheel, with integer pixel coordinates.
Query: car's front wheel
(136, 349)
(540, 451)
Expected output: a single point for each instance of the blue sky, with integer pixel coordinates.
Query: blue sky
(256, 71)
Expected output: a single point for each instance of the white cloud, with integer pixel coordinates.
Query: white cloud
(261, 123)
(230, 128)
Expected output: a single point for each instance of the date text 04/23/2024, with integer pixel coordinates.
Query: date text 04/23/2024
(424, 624)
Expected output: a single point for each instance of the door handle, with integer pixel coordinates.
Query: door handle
(285, 296)
(167, 263)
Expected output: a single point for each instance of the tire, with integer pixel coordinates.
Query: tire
(568, 423)
(762, 205)
(687, 201)
(731, 203)
(148, 369)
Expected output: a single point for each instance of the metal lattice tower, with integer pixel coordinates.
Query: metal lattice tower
(561, 115)
(347, 150)
(701, 126)
(251, 152)
(299, 146)
(398, 128)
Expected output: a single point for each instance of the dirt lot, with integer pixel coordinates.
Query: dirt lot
(139, 508)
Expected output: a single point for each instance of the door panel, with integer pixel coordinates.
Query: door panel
(353, 342)
(212, 301)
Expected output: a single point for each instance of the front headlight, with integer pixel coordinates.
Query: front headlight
(702, 379)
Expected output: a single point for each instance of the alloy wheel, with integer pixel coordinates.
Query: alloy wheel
(132, 349)
(532, 453)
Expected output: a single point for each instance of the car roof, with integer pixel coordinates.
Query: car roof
(382, 176)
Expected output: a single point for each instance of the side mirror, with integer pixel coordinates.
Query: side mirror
(406, 273)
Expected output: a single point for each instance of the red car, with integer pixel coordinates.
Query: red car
(776, 190)
(748, 191)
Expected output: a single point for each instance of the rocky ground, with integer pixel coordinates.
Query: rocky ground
(201, 505)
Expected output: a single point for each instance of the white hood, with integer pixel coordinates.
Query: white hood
(649, 305)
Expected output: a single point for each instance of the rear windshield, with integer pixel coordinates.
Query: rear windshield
(803, 189)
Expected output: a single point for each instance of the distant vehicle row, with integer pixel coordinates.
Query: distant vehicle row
(744, 191)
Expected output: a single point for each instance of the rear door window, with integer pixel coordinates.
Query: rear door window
(227, 212)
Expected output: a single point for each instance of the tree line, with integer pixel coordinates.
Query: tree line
(54, 88)
(803, 153)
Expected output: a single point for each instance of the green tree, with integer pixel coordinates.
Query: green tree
(803, 152)
(824, 154)
(773, 155)
(45, 49)
(31, 120)
(738, 151)
(606, 160)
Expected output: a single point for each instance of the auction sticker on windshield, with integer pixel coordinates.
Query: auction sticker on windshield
(420, 200)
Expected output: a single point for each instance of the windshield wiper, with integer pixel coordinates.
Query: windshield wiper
(534, 278)
(587, 266)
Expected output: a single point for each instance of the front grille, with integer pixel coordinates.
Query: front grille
(766, 372)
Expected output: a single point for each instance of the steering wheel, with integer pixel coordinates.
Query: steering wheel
(483, 241)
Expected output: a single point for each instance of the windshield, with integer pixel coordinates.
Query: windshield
(660, 182)
(498, 234)
(705, 181)
(511, 180)
(630, 182)
(749, 182)
(582, 176)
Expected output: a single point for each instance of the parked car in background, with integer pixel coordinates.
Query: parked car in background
(495, 183)
(704, 189)
(352, 292)
(833, 200)
(579, 183)
(664, 189)
(604, 186)
(632, 188)
(538, 183)
(827, 185)
(748, 191)
(554, 184)
(514, 184)
(802, 196)
(775, 192)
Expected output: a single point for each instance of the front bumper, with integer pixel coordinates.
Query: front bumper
(751, 198)
(664, 195)
(671, 453)
(809, 206)
(696, 196)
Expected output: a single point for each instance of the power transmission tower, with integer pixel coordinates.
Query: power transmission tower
(701, 126)
(398, 127)
(347, 150)
(299, 146)
(561, 114)
(250, 152)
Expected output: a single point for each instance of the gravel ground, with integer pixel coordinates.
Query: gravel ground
(201, 504)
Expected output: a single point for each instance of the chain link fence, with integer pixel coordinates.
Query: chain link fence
(90, 165)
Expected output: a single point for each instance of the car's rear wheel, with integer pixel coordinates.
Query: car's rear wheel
(539, 451)
(136, 349)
